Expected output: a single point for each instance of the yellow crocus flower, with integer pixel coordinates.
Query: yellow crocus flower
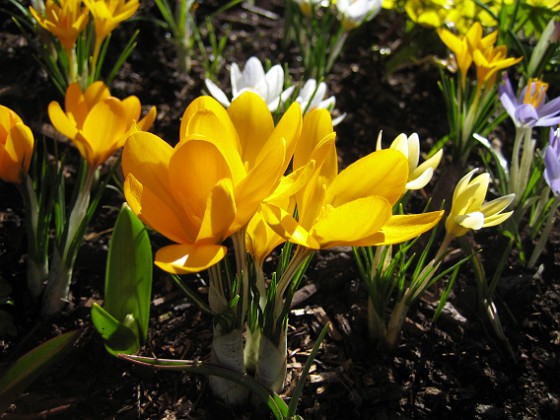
(65, 19)
(16, 146)
(462, 46)
(212, 182)
(107, 15)
(352, 207)
(468, 210)
(489, 61)
(97, 123)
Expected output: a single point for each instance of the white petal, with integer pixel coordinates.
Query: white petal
(217, 93)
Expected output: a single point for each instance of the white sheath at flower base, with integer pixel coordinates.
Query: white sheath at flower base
(272, 363)
(251, 352)
(227, 351)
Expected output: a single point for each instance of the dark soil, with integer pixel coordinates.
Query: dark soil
(454, 367)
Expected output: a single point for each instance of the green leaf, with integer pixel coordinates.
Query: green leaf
(20, 374)
(119, 337)
(128, 278)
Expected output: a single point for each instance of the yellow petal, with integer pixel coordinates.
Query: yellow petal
(61, 122)
(132, 108)
(104, 128)
(383, 173)
(147, 157)
(401, 228)
(317, 125)
(187, 258)
(17, 153)
(286, 132)
(261, 240)
(352, 221)
(95, 93)
(260, 182)
(253, 122)
(160, 215)
(219, 215)
(194, 169)
(290, 184)
(207, 117)
(146, 123)
(287, 227)
(496, 219)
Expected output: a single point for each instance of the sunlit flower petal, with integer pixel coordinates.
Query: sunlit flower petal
(187, 259)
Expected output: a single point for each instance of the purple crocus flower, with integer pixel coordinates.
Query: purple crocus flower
(530, 109)
(552, 162)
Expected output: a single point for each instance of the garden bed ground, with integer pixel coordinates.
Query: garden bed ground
(453, 367)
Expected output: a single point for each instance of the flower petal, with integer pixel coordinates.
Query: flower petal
(382, 173)
(149, 206)
(401, 228)
(287, 227)
(187, 258)
(219, 214)
(253, 122)
(351, 222)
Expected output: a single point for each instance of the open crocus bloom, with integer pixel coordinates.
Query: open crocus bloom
(353, 207)
(212, 182)
(468, 210)
(16, 146)
(552, 162)
(253, 79)
(418, 175)
(97, 123)
(531, 108)
(65, 19)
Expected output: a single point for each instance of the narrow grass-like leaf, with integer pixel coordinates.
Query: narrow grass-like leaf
(31, 365)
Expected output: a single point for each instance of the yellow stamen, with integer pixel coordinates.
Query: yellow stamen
(535, 92)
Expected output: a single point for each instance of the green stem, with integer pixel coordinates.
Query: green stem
(298, 258)
(56, 293)
(539, 247)
(37, 261)
(376, 324)
(242, 272)
(395, 323)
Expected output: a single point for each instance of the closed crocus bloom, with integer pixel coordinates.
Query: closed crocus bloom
(552, 162)
(261, 239)
(16, 146)
(352, 207)
(65, 19)
(418, 175)
(108, 14)
(97, 123)
(468, 209)
(356, 12)
(212, 182)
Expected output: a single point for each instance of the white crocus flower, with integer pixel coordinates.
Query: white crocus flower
(418, 175)
(311, 97)
(254, 79)
(356, 12)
